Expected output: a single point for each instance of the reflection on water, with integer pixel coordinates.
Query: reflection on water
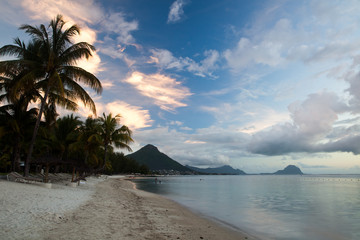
(275, 207)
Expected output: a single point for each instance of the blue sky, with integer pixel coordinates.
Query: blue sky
(254, 84)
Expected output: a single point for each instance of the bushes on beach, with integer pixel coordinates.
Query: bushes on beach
(122, 164)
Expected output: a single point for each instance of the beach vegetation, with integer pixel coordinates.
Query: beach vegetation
(48, 65)
(111, 135)
(36, 78)
(122, 164)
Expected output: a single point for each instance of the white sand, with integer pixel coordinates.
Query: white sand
(110, 209)
(28, 207)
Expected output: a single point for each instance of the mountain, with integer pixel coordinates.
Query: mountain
(226, 169)
(289, 170)
(156, 160)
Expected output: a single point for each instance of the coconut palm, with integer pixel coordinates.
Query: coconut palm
(88, 142)
(67, 132)
(51, 66)
(16, 122)
(111, 135)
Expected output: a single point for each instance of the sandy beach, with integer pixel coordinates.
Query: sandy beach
(99, 209)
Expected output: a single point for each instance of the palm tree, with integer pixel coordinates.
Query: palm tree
(88, 143)
(52, 68)
(16, 123)
(66, 133)
(120, 137)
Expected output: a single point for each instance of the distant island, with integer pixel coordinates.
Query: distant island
(224, 170)
(289, 170)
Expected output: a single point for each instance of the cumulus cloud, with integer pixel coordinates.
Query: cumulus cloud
(312, 125)
(166, 92)
(176, 11)
(165, 60)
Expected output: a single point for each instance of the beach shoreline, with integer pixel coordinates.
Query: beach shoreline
(104, 209)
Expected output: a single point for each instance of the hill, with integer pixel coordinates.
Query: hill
(226, 170)
(289, 170)
(150, 156)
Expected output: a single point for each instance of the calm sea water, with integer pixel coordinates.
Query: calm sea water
(271, 207)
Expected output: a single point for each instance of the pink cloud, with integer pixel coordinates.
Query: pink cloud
(166, 91)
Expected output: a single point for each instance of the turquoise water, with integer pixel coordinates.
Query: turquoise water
(271, 207)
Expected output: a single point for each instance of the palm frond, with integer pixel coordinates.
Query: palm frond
(35, 32)
(76, 52)
(80, 75)
(78, 92)
(12, 50)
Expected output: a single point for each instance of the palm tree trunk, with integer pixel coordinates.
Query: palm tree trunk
(36, 129)
(15, 156)
(46, 178)
(105, 155)
(73, 174)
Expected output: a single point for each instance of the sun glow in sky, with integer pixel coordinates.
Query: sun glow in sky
(254, 84)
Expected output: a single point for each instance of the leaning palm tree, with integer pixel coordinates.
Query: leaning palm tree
(110, 134)
(52, 68)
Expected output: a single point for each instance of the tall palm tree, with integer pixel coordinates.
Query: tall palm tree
(52, 67)
(110, 134)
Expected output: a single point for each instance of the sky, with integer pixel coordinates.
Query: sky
(257, 85)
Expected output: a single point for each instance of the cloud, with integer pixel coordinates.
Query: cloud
(205, 147)
(86, 14)
(165, 60)
(303, 165)
(352, 78)
(116, 23)
(164, 90)
(132, 116)
(268, 49)
(312, 123)
(247, 116)
(83, 111)
(176, 11)
(309, 35)
(80, 12)
(115, 50)
(118, 37)
(107, 84)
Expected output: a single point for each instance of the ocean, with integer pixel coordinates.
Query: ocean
(271, 206)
